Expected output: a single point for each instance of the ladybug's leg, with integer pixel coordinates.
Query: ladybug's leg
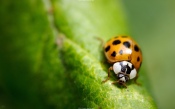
(110, 68)
(123, 84)
(101, 41)
(135, 80)
(115, 82)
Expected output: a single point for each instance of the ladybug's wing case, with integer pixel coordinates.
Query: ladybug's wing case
(118, 49)
(123, 49)
(136, 56)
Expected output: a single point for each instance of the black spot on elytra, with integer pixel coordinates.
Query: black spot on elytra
(121, 52)
(107, 48)
(126, 44)
(113, 54)
(138, 59)
(136, 48)
(116, 42)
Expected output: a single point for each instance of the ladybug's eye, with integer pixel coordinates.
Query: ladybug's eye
(126, 78)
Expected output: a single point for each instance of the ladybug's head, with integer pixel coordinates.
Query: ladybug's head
(122, 77)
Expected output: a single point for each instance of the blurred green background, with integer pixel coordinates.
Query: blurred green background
(153, 22)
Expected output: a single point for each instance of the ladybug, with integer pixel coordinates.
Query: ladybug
(125, 56)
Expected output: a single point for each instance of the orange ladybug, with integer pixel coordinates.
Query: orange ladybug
(126, 56)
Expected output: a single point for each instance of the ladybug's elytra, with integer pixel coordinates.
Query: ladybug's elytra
(126, 56)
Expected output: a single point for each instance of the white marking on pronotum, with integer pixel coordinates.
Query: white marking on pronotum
(124, 63)
(133, 73)
(117, 67)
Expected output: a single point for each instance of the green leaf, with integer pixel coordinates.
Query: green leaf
(36, 73)
(82, 21)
